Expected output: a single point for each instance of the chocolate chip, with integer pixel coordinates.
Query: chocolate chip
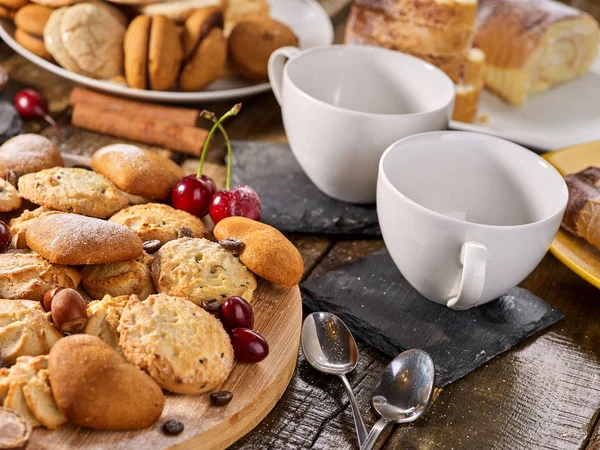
(185, 232)
(211, 305)
(69, 209)
(152, 246)
(172, 427)
(221, 398)
(234, 245)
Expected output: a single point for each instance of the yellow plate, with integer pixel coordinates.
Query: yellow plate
(579, 256)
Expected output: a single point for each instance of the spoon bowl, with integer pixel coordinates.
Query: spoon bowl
(402, 392)
(328, 346)
(405, 386)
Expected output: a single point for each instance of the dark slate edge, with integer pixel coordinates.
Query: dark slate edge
(263, 172)
(373, 337)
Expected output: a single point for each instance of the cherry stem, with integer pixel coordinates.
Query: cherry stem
(217, 124)
(51, 121)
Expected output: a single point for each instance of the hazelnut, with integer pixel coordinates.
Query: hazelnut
(69, 312)
(48, 296)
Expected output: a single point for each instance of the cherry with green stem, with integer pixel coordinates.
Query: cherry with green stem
(193, 193)
(238, 201)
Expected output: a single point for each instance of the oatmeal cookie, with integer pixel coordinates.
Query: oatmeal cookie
(18, 225)
(119, 278)
(73, 190)
(198, 269)
(157, 221)
(9, 197)
(181, 346)
(25, 330)
(29, 276)
(103, 319)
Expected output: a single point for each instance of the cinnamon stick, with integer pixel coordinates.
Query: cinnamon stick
(183, 116)
(140, 128)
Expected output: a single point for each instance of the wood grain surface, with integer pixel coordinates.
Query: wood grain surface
(544, 394)
(256, 389)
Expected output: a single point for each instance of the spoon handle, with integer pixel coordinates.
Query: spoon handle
(361, 430)
(371, 440)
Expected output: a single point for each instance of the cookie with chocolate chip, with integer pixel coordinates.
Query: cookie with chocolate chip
(262, 249)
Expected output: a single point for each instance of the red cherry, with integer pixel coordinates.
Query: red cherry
(5, 237)
(237, 313)
(238, 201)
(31, 104)
(248, 345)
(192, 194)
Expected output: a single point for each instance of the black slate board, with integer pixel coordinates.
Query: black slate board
(10, 121)
(383, 310)
(290, 201)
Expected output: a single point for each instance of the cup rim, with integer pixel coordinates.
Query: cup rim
(371, 49)
(385, 179)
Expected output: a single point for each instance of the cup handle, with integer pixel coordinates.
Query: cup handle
(276, 62)
(473, 257)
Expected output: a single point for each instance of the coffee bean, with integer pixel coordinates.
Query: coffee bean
(211, 305)
(152, 246)
(221, 398)
(172, 427)
(185, 232)
(234, 245)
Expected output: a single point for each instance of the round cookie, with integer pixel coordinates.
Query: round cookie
(198, 269)
(14, 4)
(265, 251)
(157, 221)
(32, 19)
(29, 276)
(18, 225)
(137, 38)
(7, 12)
(73, 190)
(182, 347)
(28, 153)
(253, 40)
(9, 197)
(56, 3)
(32, 43)
(137, 171)
(25, 330)
(103, 319)
(205, 48)
(79, 240)
(93, 38)
(164, 54)
(54, 44)
(119, 278)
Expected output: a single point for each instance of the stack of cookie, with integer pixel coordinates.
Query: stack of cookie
(30, 22)
(151, 273)
(438, 31)
(181, 44)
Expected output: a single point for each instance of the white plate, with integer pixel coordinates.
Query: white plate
(305, 17)
(566, 115)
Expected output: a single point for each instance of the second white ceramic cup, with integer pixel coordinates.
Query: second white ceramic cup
(467, 216)
(342, 106)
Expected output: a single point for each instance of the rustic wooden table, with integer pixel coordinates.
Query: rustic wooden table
(542, 394)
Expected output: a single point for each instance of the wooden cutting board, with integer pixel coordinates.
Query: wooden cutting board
(256, 388)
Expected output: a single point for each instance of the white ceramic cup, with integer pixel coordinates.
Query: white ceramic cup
(342, 106)
(467, 216)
